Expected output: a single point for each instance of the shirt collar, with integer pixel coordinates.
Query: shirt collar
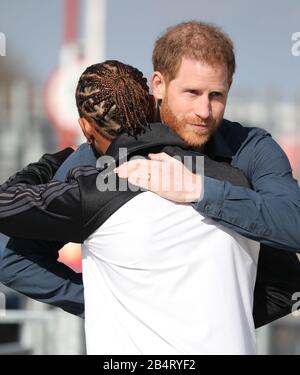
(217, 148)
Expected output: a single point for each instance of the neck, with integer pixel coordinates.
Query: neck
(101, 145)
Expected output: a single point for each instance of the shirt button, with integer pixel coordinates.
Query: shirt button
(207, 207)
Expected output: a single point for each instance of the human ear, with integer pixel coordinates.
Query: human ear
(87, 129)
(158, 85)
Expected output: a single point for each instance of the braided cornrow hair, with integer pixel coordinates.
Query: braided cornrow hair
(116, 96)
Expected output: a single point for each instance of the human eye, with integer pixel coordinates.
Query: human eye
(216, 94)
(191, 92)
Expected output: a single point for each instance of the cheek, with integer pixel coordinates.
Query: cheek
(179, 106)
(218, 110)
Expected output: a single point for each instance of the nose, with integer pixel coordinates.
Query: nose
(202, 107)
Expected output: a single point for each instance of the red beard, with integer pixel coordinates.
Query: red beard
(192, 135)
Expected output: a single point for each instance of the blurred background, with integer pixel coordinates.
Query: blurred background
(44, 47)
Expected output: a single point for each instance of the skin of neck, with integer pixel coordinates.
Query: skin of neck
(100, 142)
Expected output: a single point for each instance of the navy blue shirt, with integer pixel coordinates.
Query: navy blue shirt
(270, 213)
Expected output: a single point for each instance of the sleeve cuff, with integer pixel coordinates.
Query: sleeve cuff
(212, 198)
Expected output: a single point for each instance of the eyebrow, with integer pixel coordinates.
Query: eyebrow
(190, 88)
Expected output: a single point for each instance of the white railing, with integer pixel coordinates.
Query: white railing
(46, 332)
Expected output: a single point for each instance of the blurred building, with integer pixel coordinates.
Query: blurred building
(26, 326)
(281, 119)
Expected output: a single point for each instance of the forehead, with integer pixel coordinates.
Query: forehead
(194, 73)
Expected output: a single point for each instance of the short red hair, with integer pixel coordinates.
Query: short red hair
(197, 40)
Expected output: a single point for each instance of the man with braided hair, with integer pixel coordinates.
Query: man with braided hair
(152, 268)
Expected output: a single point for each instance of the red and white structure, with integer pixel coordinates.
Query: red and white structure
(75, 55)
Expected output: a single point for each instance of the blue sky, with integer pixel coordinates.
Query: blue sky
(261, 30)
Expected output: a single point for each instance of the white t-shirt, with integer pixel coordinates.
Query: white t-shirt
(159, 278)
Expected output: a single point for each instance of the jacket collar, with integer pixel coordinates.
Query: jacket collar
(157, 134)
(217, 148)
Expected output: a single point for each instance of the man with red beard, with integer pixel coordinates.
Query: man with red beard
(194, 63)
